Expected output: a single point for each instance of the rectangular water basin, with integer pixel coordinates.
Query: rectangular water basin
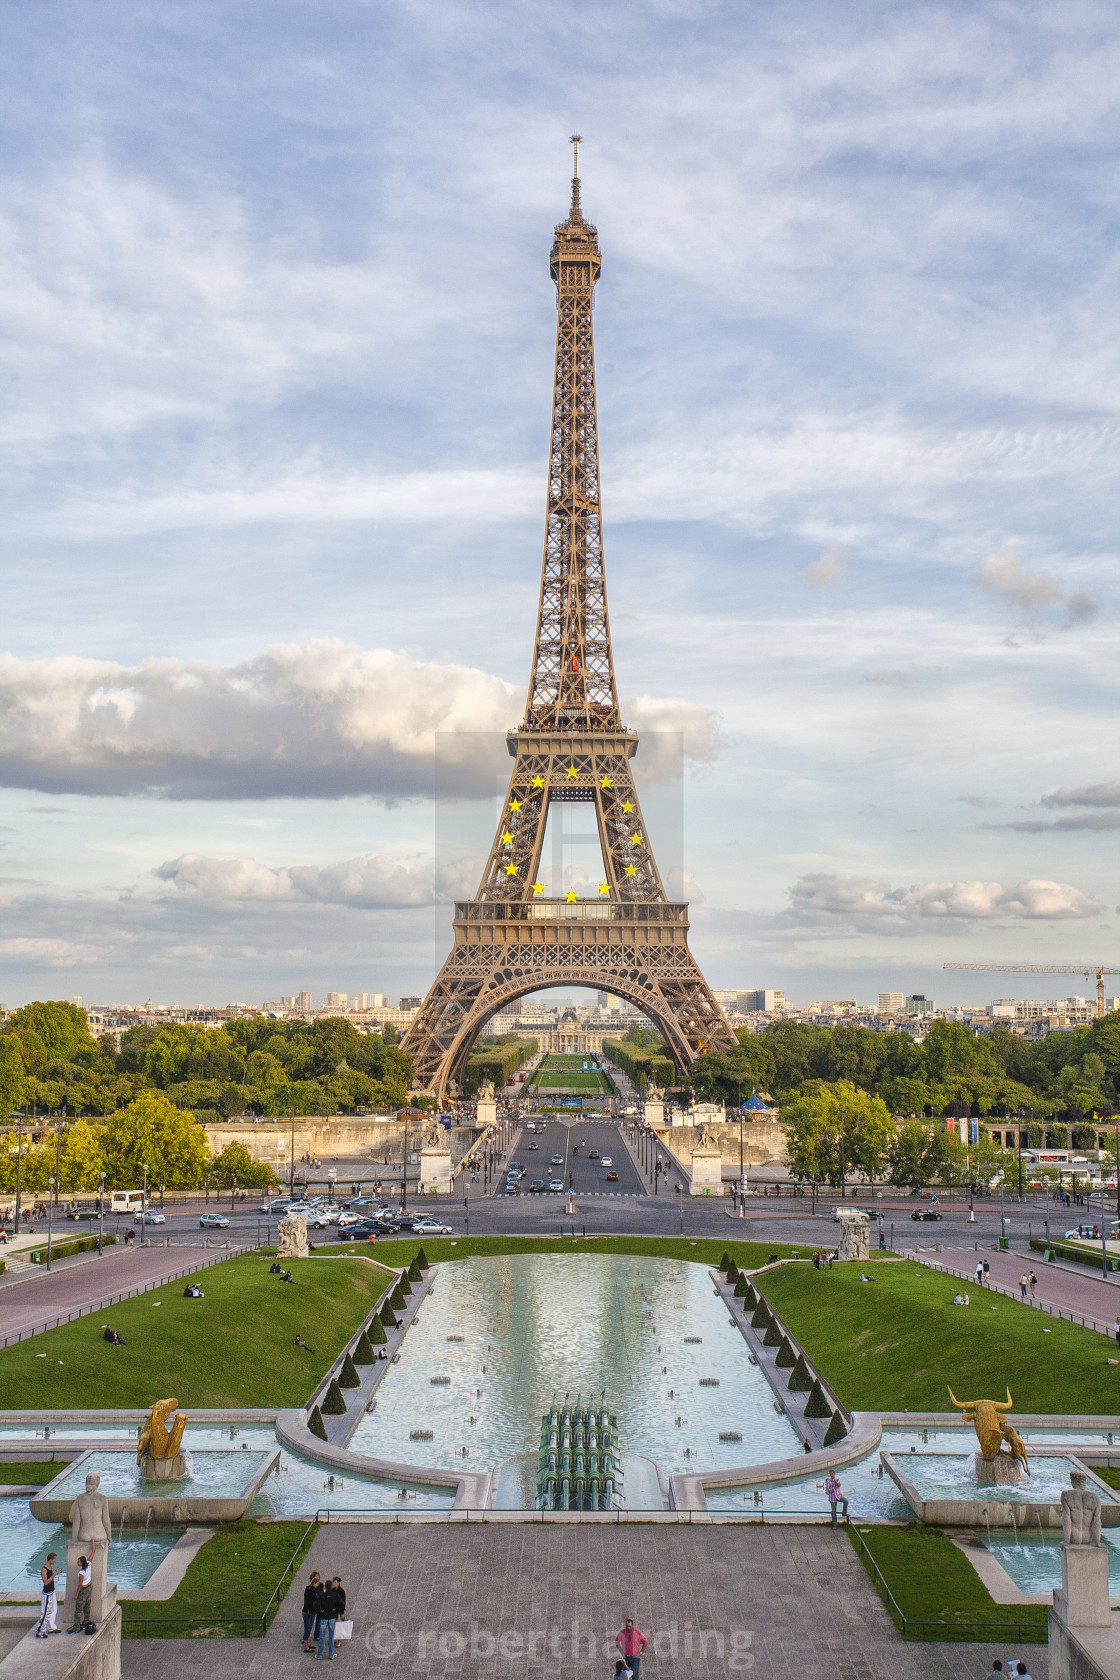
(24, 1544)
(218, 1487)
(941, 1489)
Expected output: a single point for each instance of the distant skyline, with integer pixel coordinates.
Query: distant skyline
(278, 351)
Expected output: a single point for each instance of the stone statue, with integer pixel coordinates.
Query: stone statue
(291, 1237)
(992, 1430)
(1081, 1513)
(158, 1451)
(1082, 1600)
(486, 1090)
(855, 1235)
(91, 1529)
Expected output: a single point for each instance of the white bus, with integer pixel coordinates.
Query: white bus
(127, 1201)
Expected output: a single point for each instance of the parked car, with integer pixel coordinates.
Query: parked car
(320, 1220)
(612, 1178)
(151, 1217)
(279, 1205)
(430, 1228)
(345, 1220)
(926, 1214)
(365, 1230)
(213, 1221)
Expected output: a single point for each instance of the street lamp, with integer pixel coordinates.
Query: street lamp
(101, 1216)
(52, 1184)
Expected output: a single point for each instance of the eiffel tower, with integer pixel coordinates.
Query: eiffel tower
(511, 938)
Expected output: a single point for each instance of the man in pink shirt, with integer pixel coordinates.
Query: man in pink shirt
(631, 1641)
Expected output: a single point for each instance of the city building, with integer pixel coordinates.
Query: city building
(891, 1003)
(917, 1006)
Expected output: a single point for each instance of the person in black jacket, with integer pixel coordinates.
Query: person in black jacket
(328, 1607)
(309, 1617)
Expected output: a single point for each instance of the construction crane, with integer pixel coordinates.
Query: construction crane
(1088, 970)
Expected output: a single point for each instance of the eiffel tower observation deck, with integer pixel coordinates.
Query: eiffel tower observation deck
(514, 937)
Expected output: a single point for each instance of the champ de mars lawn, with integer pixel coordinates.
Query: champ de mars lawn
(235, 1347)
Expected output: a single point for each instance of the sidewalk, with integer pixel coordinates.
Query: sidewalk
(38, 1303)
(1058, 1287)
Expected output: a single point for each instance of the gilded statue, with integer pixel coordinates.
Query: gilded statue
(156, 1440)
(992, 1428)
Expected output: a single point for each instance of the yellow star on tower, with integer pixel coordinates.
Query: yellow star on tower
(515, 804)
(572, 771)
(628, 806)
(636, 840)
(606, 782)
(507, 838)
(511, 869)
(631, 869)
(538, 888)
(604, 887)
(570, 898)
(538, 781)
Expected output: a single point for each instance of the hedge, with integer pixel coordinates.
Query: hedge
(73, 1245)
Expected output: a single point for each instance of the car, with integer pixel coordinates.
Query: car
(430, 1228)
(150, 1217)
(278, 1206)
(213, 1221)
(557, 1161)
(537, 1187)
(593, 1155)
(556, 1184)
(608, 1160)
(612, 1178)
(320, 1220)
(534, 1146)
(347, 1219)
(926, 1214)
(364, 1231)
(83, 1213)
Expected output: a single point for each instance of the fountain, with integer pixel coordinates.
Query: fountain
(994, 1467)
(578, 1468)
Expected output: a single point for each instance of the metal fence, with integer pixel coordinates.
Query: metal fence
(212, 1259)
(255, 1625)
(992, 1288)
(1033, 1631)
(472, 1513)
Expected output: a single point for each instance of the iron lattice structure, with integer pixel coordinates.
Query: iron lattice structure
(511, 938)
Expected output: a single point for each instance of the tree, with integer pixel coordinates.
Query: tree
(236, 1167)
(837, 1129)
(11, 1075)
(83, 1156)
(916, 1154)
(152, 1132)
(51, 1032)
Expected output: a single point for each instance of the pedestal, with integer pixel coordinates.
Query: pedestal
(1082, 1598)
(1001, 1471)
(104, 1592)
(435, 1172)
(486, 1112)
(706, 1178)
(655, 1114)
(162, 1469)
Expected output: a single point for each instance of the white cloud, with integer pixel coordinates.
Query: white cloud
(855, 897)
(1100, 793)
(372, 882)
(1001, 573)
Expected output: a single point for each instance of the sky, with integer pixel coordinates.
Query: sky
(277, 355)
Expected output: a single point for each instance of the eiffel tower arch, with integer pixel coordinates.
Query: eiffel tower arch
(512, 937)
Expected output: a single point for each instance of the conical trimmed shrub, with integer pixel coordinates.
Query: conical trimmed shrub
(817, 1405)
(363, 1350)
(421, 1259)
(334, 1401)
(741, 1287)
(801, 1378)
(726, 1263)
(414, 1272)
(316, 1425)
(396, 1299)
(786, 1357)
(377, 1332)
(773, 1336)
(403, 1284)
(388, 1317)
(760, 1318)
(751, 1299)
(836, 1430)
(348, 1376)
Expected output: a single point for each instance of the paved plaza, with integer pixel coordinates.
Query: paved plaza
(777, 1603)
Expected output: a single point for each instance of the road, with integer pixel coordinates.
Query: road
(573, 1140)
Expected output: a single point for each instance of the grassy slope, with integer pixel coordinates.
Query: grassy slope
(36, 1474)
(932, 1581)
(706, 1251)
(233, 1575)
(236, 1347)
(898, 1344)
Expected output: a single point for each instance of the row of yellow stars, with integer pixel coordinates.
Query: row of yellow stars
(538, 887)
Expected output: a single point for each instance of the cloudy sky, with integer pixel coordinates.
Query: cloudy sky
(278, 367)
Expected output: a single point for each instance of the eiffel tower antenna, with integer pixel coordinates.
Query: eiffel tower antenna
(510, 939)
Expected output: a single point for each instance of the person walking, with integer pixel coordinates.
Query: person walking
(832, 1492)
(987, 1268)
(631, 1641)
(82, 1596)
(979, 1274)
(48, 1598)
(1024, 1285)
(309, 1593)
(326, 1608)
(1033, 1281)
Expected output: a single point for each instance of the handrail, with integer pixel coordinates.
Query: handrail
(487, 1513)
(134, 1625)
(1089, 1323)
(213, 1259)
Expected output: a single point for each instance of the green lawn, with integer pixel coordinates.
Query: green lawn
(899, 1344)
(932, 1582)
(233, 1576)
(236, 1347)
(566, 1073)
(706, 1250)
(36, 1474)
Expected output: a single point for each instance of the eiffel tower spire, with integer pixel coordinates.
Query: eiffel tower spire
(626, 936)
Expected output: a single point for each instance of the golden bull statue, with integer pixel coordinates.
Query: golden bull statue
(992, 1428)
(156, 1440)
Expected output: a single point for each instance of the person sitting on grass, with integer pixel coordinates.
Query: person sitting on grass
(286, 1277)
(959, 1300)
(112, 1337)
(275, 1269)
(193, 1292)
(300, 1343)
